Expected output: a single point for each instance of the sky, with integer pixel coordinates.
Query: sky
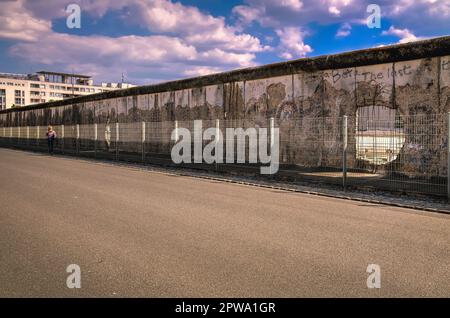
(152, 41)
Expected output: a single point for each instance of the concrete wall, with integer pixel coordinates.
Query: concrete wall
(308, 97)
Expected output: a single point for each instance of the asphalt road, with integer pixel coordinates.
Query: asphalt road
(141, 233)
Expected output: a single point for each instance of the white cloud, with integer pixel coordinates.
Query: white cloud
(193, 25)
(170, 56)
(423, 16)
(63, 48)
(439, 8)
(427, 8)
(344, 30)
(227, 40)
(247, 14)
(163, 17)
(240, 59)
(189, 41)
(333, 10)
(16, 23)
(295, 5)
(50, 9)
(416, 14)
(202, 70)
(270, 13)
(291, 43)
(405, 35)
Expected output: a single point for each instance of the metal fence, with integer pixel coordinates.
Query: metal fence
(408, 154)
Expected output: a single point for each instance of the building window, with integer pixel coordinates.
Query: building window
(2, 99)
(34, 85)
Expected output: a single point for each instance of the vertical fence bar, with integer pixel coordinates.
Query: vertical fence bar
(28, 136)
(272, 140)
(448, 156)
(217, 143)
(176, 130)
(272, 127)
(143, 141)
(62, 138)
(344, 152)
(95, 139)
(37, 136)
(117, 141)
(78, 138)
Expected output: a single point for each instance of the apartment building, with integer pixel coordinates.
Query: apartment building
(18, 90)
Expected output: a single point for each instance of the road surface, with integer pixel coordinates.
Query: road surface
(140, 233)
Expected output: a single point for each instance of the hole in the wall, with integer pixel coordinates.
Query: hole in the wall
(379, 134)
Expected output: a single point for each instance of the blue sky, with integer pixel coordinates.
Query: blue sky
(158, 40)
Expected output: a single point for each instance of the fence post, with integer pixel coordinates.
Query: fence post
(448, 156)
(18, 136)
(28, 136)
(117, 141)
(78, 138)
(143, 141)
(63, 138)
(344, 151)
(176, 134)
(217, 143)
(95, 140)
(37, 136)
(176, 130)
(272, 140)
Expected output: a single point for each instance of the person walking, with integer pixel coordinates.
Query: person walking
(51, 135)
